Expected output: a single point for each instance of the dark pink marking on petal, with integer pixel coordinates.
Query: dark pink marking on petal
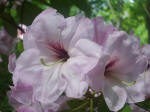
(58, 50)
(109, 66)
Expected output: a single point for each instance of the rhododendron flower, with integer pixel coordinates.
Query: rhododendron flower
(20, 33)
(57, 56)
(6, 42)
(118, 66)
(141, 89)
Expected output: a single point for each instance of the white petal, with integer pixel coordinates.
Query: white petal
(73, 71)
(115, 95)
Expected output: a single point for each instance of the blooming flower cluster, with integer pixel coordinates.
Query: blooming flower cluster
(63, 57)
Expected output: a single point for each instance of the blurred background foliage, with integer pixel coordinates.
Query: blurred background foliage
(129, 15)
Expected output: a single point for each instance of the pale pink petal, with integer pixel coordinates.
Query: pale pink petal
(78, 65)
(12, 101)
(102, 31)
(26, 61)
(67, 34)
(114, 41)
(84, 31)
(146, 50)
(146, 81)
(26, 109)
(136, 93)
(125, 70)
(88, 48)
(136, 41)
(22, 93)
(76, 86)
(114, 95)
(12, 63)
(45, 28)
(47, 82)
(30, 108)
(95, 77)
(135, 96)
(53, 84)
(127, 56)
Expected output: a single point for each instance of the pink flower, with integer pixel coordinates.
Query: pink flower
(102, 31)
(20, 33)
(119, 65)
(58, 54)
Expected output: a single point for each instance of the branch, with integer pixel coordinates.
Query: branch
(11, 23)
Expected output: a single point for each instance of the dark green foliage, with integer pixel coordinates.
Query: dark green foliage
(126, 109)
(5, 82)
(145, 105)
(102, 107)
(28, 12)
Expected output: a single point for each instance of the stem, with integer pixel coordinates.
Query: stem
(91, 105)
(81, 106)
(22, 12)
(12, 23)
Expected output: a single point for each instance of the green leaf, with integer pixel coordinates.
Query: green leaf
(145, 105)
(102, 107)
(126, 109)
(77, 105)
(18, 48)
(62, 6)
(28, 13)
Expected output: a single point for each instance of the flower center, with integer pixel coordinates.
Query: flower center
(58, 51)
(109, 73)
(148, 66)
(109, 66)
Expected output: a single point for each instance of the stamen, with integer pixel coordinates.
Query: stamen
(56, 62)
(128, 84)
(123, 82)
